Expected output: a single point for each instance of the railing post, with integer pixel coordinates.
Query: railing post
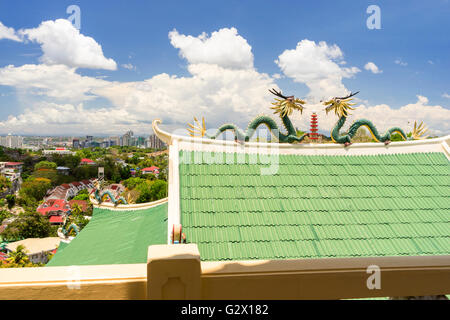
(173, 272)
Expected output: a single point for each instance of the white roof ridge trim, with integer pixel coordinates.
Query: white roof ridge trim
(194, 143)
(130, 207)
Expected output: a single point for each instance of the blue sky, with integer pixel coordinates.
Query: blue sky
(411, 48)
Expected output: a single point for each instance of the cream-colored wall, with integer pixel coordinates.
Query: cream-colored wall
(176, 272)
(116, 282)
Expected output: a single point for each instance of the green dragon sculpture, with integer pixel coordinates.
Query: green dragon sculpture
(66, 231)
(99, 196)
(341, 107)
(283, 107)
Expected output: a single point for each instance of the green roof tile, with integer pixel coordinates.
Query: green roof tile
(115, 237)
(316, 206)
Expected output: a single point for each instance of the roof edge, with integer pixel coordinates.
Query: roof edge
(126, 207)
(168, 138)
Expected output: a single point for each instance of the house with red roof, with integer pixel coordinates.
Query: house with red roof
(153, 170)
(54, 207)
(11, 170)
(86, 161)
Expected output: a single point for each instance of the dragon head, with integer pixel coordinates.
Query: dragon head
(340, 105)
(286, 105)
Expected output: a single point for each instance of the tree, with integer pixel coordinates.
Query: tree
(35, 188)
(4, 214)
(45, 165)
(28, 225)
(131, 183)
(11, 199)
(158, 190)
(151, 190)
(18, 256)
(5, 184)
(144, 188)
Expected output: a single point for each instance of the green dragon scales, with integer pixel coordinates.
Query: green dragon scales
(341, 107)
(99, 196)
(283, 107)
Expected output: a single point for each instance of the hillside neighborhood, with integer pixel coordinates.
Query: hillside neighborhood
(45, 193)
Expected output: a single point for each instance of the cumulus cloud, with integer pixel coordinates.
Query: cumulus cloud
(53, 81)
(370, 66)
(49, 118)
(446, 95)
(8, 33)
(317, 66)
(217, 90)
(62, 43)
(218, 93)
(225, 48)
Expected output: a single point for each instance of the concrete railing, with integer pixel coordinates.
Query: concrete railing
(176, 272)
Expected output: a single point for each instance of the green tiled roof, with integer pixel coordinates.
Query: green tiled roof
(317, 206)
(115, 237)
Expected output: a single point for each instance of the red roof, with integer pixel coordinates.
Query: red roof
(13, 163)
(56, 219)
(87, 160)
(60, 149)
(53, 205)
(3, 256)
(152, 168)
(76, 184)
(82, 203)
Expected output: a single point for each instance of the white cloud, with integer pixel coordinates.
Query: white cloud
(446, 95)
(8, 33)
(53, 81)
(52, 118)
(225, 48)
(372, 67)
(62, 43)
(317, 66)
(128, 66)
(430, 62)
(400, 62)
(219, 92)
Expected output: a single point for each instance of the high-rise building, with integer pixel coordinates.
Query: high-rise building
(76, 143)
(155, 143)
(128, 139)
(11, 141)
(115, 141)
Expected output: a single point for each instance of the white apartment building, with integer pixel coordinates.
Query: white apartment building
(57, 151)
(11, 141)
